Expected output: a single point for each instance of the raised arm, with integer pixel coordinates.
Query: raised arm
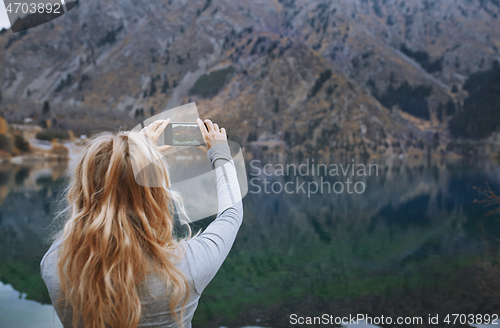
(206, 252)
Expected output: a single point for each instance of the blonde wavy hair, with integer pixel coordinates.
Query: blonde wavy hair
(118, 231)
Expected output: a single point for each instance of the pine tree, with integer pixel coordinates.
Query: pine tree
(450, 108)
(152, 89)
(440, 112)
(165, 86)
(46, 107)
(435, 142)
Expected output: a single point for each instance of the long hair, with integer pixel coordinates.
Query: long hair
(118, 231)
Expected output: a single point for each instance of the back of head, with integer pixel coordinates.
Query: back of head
(117, 231)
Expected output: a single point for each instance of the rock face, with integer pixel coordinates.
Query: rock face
(369, 77)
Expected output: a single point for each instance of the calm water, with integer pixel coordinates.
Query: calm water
(410, 245)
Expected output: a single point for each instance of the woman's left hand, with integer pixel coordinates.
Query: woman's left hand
(154, 130)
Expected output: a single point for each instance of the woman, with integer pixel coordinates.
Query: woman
(116, 263)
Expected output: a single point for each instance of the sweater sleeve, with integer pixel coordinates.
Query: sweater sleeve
(206, 252)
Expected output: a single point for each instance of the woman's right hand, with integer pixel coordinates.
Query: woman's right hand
(211, 133)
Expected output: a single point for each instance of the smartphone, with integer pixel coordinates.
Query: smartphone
(183, 134)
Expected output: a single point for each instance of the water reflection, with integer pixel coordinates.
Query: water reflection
(406, 246)
(17, 311)
(27, 196)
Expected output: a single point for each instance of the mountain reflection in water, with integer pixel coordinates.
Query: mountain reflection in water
(408, 245)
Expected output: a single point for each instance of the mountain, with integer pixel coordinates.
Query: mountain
(363, 77)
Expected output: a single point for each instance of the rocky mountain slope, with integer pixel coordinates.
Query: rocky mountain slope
(369, 77)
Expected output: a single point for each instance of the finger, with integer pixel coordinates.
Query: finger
(163, 148)
(203, 128)
(163, 124)
(162, 127)
(210, 125)
(203, 149)
(223, 131)
(153, 126)
(216, 127)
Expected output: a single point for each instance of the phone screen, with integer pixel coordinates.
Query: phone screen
(186, 134)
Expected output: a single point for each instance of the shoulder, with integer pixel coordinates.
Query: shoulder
(48, 265)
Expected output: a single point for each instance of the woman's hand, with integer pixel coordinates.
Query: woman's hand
(212, 135)
(153, 132)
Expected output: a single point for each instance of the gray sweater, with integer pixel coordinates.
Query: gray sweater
(203, 257)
